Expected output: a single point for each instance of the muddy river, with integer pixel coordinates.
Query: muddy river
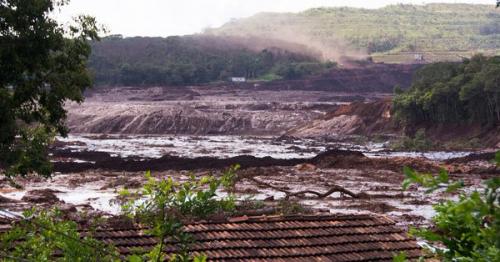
(232, 146)
(96, 189)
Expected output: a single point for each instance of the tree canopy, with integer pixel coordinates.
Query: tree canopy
(453, 92)
(149, 61)
(42, 65)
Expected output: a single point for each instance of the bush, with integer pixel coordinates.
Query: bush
(419, 142)
(165, 205)
(452, 93)
(468, 228)
(42, 234)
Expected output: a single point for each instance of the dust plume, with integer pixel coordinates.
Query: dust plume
(293, 37)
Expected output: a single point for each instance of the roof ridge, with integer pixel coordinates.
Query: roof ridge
(377, 218)
(275, 218)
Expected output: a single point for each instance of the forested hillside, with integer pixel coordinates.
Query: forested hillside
(271, 46)
(146, 61)
(467, 92)
(444, 27)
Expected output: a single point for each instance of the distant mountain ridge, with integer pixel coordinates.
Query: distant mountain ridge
(394, 28)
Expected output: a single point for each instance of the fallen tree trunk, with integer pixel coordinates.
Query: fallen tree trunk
(288, 194)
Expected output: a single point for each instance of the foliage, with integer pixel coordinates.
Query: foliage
(419, 142)
(394, 28)
(468, 228)
(401, 257)
(165, 205)
(290, 207)
(464, 143)
(42, 65)
(42, 234)
(452, 93)
(429, 181)
(189, 60)
(299, 70)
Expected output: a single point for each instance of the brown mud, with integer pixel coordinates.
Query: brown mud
(250, 108)
(375, 118)
(328, 159)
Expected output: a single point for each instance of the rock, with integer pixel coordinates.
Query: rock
(41, 196)
(67, 208)
(7, 200)
(305, 167)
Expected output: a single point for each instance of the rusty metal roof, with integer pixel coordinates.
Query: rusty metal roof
(278, 238)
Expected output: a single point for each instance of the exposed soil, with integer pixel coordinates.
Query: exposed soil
(328, 159)
(332, 107)
(356, 118)
(359, 78)
(376, 185)
(215, 110)
(41, 196)
(252, 108)
(375, 118)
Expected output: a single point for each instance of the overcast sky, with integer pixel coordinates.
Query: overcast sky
(180, 17)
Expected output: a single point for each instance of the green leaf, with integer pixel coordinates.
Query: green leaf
(134, 258)
(200, 258)
(401, 257)
(443, 175)
(455, 186)
(406, 183)
(497, 158)
(410, 173)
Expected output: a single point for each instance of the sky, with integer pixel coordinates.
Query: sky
(181, 17)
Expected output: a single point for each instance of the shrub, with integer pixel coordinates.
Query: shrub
(419, 142)
(42, 234)
(165, 205)
(468, 228)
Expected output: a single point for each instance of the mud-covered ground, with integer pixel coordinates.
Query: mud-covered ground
(288, 136)
(212, 110)
(376, 181)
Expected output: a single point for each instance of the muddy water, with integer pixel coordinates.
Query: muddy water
(231, 146)
(97, 189)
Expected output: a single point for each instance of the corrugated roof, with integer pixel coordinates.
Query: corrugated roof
(278, 238)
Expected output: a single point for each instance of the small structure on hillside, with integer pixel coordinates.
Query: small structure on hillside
(238, 79)
(419, 57)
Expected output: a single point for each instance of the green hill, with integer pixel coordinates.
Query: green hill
(197, 59)
(395, 28)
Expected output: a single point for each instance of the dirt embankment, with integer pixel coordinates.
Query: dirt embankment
(356, 118)
(329, 159)
(374, 118)
(251, 108)
(197, 110)
(370, 77)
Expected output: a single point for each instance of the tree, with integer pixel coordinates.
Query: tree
(165, 205)
(467, 228)
(452, 93)
(43, 64)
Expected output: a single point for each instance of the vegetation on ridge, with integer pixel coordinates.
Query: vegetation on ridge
(186, 60)
(394, 28)
(467, 92)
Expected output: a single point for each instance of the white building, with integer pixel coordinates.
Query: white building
(238, 79)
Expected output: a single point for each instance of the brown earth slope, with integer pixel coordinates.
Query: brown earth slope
(374, 118)
(251, 108)
(355, 118)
